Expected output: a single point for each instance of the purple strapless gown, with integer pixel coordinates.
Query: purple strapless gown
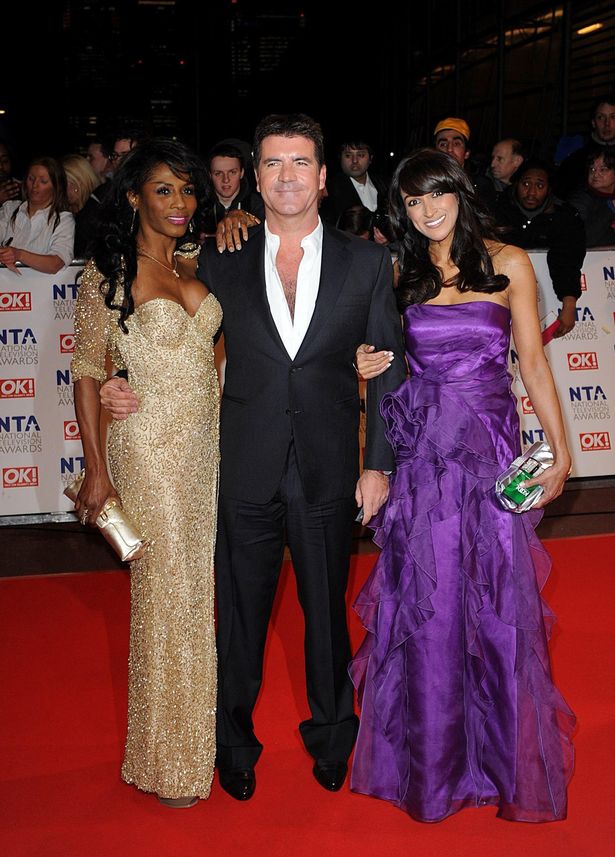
(458, 707)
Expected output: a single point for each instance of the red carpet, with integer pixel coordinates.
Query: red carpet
(63, 649)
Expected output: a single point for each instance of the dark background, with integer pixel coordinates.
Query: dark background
(210, 69)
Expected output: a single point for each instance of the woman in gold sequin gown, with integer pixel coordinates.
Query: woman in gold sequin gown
(141, 305)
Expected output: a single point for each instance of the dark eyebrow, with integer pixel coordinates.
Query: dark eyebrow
(168, 184)
(295, 158)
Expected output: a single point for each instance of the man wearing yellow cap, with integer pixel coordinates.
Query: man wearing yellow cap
(452, 135)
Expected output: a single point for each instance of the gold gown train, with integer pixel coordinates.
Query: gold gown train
(164, 464)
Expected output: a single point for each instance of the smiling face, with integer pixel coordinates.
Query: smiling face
(289, 177)
(226, 176)
(39, 189)
(432, 214)
(533, 188)
(166, 203)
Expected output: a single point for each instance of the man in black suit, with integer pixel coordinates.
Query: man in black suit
(297, 301)
(355, 185)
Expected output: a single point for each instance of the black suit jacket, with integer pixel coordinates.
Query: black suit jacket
(269, 398)
(342, 195)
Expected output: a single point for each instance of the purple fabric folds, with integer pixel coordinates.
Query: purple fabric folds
(458, 707)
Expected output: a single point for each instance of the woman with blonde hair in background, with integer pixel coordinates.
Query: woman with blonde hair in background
(81, 182)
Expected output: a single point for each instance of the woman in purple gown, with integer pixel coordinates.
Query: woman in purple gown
(458, 707)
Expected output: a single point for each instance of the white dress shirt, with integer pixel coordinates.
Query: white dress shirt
(292, 332)
(35, 233)
(367, 192)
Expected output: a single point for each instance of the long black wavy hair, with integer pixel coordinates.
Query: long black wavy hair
(425, 171)
(115, 249)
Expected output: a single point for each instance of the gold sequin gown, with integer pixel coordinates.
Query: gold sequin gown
(164, 464)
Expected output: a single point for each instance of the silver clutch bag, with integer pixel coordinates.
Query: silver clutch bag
(114, 524)
(509, 487)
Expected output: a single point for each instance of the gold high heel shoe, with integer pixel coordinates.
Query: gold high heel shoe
(178, 802)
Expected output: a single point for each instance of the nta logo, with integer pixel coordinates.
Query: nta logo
(583, 313)
(20, 477)
(592, 441)
(16, 388)
(17, 336)
(579, 360)
(15, 301)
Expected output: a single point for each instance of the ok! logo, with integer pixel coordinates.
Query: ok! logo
(71, 430)
(595, 441)
(581, 360)
(15, 301)
(16, 388)
(20, 477)
(67, 343)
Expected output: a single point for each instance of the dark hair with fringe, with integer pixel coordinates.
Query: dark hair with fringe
(224, 150)
(357, 143)
(357, 220)
(115, 249)
(57, 177)
(288, 125)
(425, 171)
(605, 98)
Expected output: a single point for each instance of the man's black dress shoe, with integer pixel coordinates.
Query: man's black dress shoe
(330, 775)
(238, 782)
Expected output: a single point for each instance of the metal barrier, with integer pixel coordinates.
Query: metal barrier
(40, 446)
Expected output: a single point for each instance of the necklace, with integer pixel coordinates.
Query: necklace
(173, 270)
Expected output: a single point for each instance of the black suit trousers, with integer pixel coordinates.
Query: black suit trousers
(249, 553)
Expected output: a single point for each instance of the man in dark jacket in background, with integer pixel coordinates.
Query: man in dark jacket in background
(355, 185)
(226, 168)
(531, 217)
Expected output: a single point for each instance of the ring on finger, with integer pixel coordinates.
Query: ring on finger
(84, 517)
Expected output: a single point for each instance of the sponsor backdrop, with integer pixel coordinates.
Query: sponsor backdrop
(583, 365)
(40, 448)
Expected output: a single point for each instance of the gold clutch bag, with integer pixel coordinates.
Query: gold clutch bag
(114, 524)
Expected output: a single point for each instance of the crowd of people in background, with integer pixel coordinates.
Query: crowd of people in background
(52, 214)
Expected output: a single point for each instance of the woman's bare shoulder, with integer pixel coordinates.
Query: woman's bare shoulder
(506, 257)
